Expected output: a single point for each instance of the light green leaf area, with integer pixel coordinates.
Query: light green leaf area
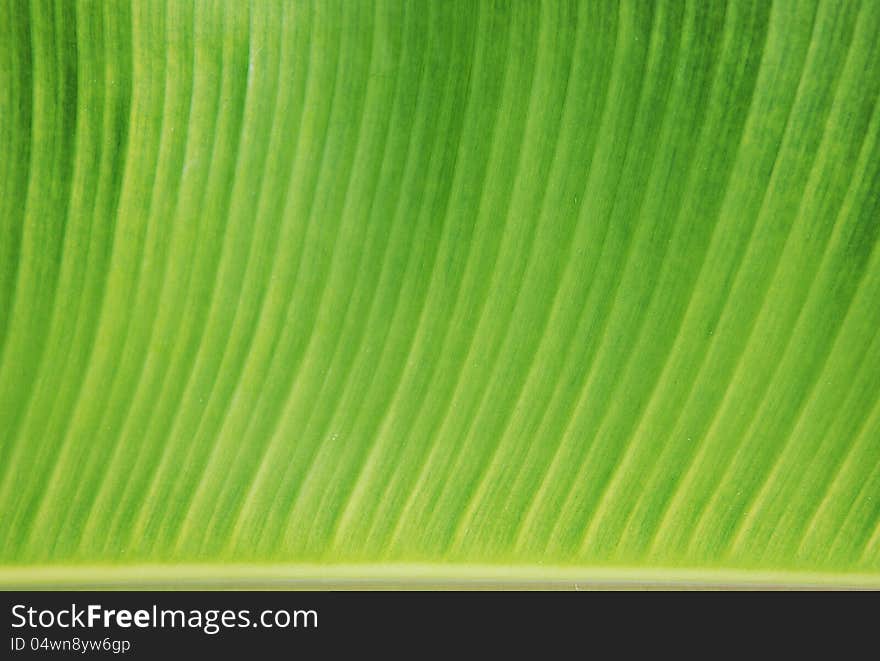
(410, 288)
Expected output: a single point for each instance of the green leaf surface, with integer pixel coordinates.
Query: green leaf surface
(476, 290)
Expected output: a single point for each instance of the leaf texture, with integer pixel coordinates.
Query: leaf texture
(455, 284)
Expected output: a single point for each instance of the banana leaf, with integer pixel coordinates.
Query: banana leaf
(461, 292)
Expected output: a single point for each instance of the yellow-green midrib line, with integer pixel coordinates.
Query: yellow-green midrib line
(420, 576)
